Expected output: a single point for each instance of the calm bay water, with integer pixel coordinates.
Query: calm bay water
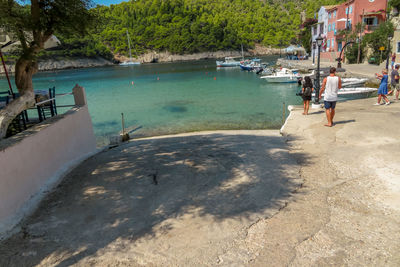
(173, 97)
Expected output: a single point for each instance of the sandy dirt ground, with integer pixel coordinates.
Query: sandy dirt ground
(317, 196)
(182, 200)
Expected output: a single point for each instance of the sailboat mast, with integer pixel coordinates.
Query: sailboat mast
(242, 53)
(129, 44)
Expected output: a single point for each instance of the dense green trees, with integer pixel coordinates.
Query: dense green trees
(32, 25)
(188, 26)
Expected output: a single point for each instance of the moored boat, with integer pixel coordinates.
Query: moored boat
(354, 91)
(283, 76)
(229, 62)
(250, 65)
(129, 62)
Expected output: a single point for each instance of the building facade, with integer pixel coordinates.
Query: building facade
(346, 16)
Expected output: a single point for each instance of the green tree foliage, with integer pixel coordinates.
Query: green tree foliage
(379, 38)
(305, 34)
(32, 25)
(395, 4)
(352, 50)
(188, 26)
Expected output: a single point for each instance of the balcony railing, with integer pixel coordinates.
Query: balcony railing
(371, 27)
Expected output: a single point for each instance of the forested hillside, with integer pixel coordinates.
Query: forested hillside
(188, 26)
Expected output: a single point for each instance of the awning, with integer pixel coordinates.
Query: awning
(293, 48)
(374, 13)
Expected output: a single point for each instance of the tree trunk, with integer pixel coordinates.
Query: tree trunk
(24, 70)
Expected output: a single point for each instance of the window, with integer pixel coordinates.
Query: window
(329, 15)
(333, 43)
(315, 30)
(334, 14)
(329, 27)
(351, 9)
(348, 25)
(398, 47)
(328, 43)
(347, 10)
(371, 21)
(333, 27)
(321, 28)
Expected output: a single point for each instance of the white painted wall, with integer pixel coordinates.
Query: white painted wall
(37, 162)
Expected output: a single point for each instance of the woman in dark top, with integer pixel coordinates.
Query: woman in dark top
(308, 88)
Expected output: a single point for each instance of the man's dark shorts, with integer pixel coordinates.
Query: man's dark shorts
(330, 104)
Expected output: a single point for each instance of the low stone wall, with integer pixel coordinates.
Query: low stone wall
(34, 161)
(48, 65)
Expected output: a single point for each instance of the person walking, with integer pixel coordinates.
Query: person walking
(331, 85)
(307, 90)
(394, 81)
(383, 87)
(393, 59)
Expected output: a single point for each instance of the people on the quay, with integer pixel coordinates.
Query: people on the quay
(331, 86)
(393, 59)
(394, 81)
(307, 90)
(383, 87)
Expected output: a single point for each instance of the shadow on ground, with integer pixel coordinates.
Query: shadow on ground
(150, 188)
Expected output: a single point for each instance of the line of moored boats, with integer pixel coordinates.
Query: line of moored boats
(286, 75)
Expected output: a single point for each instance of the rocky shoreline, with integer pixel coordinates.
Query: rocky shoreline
(150, 57)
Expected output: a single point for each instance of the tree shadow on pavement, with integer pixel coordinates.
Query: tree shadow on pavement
(149, 188)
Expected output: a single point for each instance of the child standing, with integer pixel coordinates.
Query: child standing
(308, 88)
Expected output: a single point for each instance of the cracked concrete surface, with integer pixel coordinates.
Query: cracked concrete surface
(347, 212)
(231, 198)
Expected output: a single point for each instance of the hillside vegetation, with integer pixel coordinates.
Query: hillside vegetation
(189, 26)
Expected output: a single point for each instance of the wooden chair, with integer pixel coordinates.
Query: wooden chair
(48, 109)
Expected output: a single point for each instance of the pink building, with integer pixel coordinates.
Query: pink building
(369, 12)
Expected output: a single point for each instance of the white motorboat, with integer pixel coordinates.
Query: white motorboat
(353, 82)
(130, 61)
(354, 91)
(283, 76)
(229, 62)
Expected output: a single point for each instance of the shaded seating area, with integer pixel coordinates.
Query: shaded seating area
(45, 108)
(294, 52)
(19, 122)
(46, 104)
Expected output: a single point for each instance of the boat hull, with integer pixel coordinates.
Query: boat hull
(248, 68)
(129, 63)
(230, 64)
(292, 79)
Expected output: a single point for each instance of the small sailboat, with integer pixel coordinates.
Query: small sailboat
(129, 62)
(229, 62)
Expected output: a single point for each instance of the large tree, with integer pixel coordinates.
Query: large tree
(33, 24)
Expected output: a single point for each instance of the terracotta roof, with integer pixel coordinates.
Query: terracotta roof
(330, 7)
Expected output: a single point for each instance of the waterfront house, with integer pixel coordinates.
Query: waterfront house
(347, 15)
(320, 28)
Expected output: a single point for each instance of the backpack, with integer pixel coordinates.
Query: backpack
(307, 91)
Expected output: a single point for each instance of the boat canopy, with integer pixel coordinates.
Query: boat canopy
(291, 49)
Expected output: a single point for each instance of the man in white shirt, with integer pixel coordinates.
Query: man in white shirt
(331, 86)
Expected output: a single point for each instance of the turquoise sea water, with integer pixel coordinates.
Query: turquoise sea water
(167, 98)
